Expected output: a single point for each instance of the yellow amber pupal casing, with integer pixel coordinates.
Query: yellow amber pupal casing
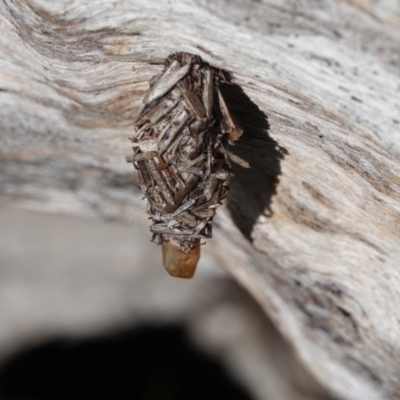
(179, 263)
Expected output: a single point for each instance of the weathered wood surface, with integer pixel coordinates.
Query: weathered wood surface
(312, 230)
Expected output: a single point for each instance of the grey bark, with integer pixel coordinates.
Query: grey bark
(312, 229)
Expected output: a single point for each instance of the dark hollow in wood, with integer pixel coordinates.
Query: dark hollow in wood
(180, 149)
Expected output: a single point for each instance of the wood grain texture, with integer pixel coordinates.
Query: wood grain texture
(312, 230)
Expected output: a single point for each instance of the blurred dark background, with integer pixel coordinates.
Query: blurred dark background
(87, 311)
(149, 363)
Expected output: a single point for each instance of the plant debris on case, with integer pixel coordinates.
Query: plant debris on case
(180, 152)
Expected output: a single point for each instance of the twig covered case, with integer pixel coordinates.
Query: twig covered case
(180, 149)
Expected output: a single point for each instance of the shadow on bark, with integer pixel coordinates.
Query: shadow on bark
(252, 189)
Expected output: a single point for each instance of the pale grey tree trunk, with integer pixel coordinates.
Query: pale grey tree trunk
(312, 230)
